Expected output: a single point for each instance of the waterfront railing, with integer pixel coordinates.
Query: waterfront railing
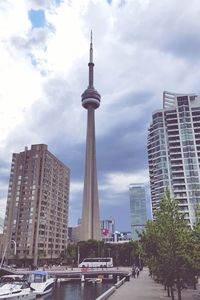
(109, 292)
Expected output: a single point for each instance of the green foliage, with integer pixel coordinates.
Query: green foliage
(123, 254)
(195, 248)
(42, 254)
(69, 254)
(90, 248)
(197, 211)
(170, 248)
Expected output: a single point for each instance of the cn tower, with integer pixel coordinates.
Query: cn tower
(90, 224)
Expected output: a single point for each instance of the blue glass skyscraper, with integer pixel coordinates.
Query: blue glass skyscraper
(138, 208)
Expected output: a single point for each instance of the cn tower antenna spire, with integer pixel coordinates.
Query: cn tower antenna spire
(91, 49)
(91, 65)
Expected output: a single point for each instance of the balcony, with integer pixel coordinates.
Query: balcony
(176, 157)
(173, 132)
(178, 189)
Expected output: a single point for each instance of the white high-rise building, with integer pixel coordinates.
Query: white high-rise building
(174, 152)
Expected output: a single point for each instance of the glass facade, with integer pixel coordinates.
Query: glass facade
(174, 152)
(138, 208)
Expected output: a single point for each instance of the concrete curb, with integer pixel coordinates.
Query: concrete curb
(109, 292)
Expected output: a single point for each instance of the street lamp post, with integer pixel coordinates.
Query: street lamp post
(15, 250)
(107, 258)
(109, 249)
(78, 255)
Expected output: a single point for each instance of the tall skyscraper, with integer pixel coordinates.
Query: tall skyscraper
(90, 224)
(37, 205)
(138, 208)
(174, 152)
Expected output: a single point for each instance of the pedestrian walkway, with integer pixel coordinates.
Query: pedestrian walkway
(144, 288)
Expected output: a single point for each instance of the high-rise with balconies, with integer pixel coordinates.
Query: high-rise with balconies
(174, 152)
(37, 205)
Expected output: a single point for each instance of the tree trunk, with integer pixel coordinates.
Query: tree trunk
(179, 291)
(194, 281)
(172, 292)
(178, 286)
(168, 291)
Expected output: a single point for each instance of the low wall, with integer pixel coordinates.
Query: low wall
(119, 283)
(109, 292)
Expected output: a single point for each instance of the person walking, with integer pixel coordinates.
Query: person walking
(133, 272)
(137, 271)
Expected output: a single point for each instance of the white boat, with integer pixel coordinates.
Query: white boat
(95, 280)
(41, 282)
(13, 287)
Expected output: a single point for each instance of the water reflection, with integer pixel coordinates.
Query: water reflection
(77, 291)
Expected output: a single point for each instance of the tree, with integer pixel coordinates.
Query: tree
(197, 211)
(194, 250)
(165, 242)
(70, 254)
(91, 248)
(123, 254)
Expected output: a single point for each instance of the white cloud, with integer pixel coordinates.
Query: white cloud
(3, 191)
(76, 187)
(140, 48)
(120, 181)
(13, 19)
(3, 207)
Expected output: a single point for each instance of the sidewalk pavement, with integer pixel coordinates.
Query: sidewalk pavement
(144, 288)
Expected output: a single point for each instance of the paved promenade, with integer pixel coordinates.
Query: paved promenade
(144, 288)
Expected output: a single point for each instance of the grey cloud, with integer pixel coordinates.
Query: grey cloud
(117, 153)
(4, 176)
(110, 206)
(52, 116)
(117, 206)
(4, 171)
(118, 149)
(41, 4)
(184, 44)
(168, 26)
(35, 38)
(121, 149)
(131, 100)
(130, 78)
(1, 222)
(73, 156)
(124, 146)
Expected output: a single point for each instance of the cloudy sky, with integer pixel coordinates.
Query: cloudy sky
(141, 48)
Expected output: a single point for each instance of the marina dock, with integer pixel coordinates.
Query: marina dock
(75, 274)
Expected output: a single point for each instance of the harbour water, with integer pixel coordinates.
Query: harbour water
(77, 291)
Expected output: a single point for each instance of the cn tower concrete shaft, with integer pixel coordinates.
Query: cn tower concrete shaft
(90, 213)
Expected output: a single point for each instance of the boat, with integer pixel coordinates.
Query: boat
(41, 282)
(95, 280)
(63, 280)
(15, 287)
